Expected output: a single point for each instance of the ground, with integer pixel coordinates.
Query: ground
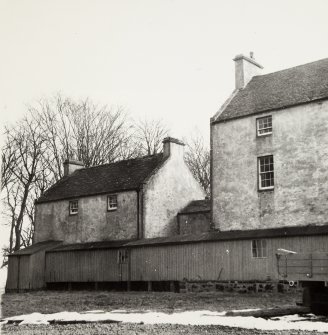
(57, 301)
(78, 301)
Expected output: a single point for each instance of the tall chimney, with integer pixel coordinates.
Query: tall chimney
(173, 147)
(71, 165)
(245, 69)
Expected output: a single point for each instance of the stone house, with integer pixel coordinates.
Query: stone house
(269, 145)
(139, 224)
(130, 199)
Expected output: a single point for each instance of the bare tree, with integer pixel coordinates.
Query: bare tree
(83, 130)
(11, 202)
(8, 159)
(27, 143)
(99, 133)
(198, 159)
(149, 136)
(56, 129)
(53, 118)
(32, 158)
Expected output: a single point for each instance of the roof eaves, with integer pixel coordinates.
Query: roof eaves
(199, 211)
(37, 247)
(91, 246)
(89, 195)
(269, 110)
(217, 236)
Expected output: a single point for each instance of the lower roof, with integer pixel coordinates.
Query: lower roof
(58, 246)
(197, 206)
(233, 235)
(91, 245)
(34, 248)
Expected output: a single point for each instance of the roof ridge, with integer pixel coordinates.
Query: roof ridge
(123, 175)
(121, 161)
(278, 90)
(290, 68)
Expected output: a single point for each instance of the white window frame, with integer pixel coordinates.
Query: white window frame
(259, 248)
(262, 174)
(73, 207)
(112, 202)
(267, 128)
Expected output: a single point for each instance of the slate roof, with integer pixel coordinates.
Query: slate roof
(234, 235)
(120, 176)
(91, 245)
(297, 85)
(57, 246)
(197, 206)
(32, 249)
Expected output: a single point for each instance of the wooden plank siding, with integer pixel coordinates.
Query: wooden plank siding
(12, 274)
(24, 272)
(19, 273)
(305, 266)
(221, 260)
(85, 266)
(26, 268)
(218, 260)
(37, 263)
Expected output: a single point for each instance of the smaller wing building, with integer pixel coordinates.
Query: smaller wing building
(130, 199)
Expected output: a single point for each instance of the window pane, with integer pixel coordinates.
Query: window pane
(259, 248)
(266, 172)
(264, 125)
(73, 207)
(112, 201)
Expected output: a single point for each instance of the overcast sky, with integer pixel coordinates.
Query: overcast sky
(157, 58)
(164, 58)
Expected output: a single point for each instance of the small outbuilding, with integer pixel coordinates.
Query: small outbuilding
(26, 267)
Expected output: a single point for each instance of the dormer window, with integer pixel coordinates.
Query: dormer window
(73, 207)
(264, 125)
(112, 202)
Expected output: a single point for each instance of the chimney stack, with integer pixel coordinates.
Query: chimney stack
(71, 165)
(245, 69)
(173, 147)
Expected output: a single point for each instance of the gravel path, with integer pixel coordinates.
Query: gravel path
(54, 301)
(133, 329)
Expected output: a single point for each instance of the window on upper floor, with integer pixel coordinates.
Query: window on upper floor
(73, 207)
(266, 173)
(259, 249)
(264, 125)
(112, 202)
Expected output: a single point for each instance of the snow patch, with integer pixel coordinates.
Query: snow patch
(289, 322)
